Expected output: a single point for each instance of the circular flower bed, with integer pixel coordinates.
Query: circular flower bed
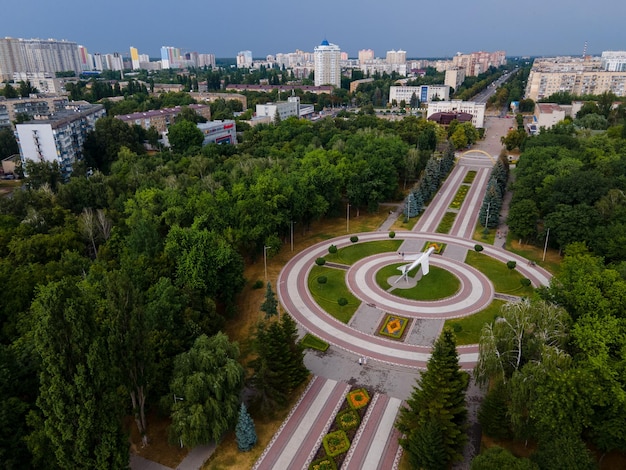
(358, 398)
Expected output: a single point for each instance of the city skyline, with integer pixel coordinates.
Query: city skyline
(560, 29)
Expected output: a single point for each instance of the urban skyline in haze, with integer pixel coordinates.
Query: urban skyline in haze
(533, 28)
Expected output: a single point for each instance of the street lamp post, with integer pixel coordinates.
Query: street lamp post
(348, 218)
(265, 248)
(545, 247)
(292, 222)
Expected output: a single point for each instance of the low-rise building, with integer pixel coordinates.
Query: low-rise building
(59, 137)
(548, 114)
(160, 119)
(282, 109)
(424, 93)
(219, 132)
(477, 110)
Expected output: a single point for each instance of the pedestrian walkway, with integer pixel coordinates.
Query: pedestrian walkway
(194, 460)
(375, 445)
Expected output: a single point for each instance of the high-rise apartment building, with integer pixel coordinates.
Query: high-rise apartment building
(170, 57)
(396, 57)
(244, 59)
(327, 64)
(575, 75)
(134, 58)
(37, 55)
(478, 62)
(366, 54)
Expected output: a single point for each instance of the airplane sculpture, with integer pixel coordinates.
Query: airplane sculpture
(420, 258)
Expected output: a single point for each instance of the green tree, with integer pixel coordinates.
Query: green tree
(270, 304)
(522, 219)
(78, 392)
(8, 144)
(436, 405)
(9, 92)
(563, 451)
(208, 380)
(497, 458)
(244, 431)
(104, 143)
(279, 367)
(184, 135)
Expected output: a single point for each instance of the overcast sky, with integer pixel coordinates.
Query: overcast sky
(421, 28)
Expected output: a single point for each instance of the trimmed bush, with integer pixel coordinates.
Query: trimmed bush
(348, 419)
(342, 301)
(326, 463)
(336, 443)
(478, 248)
(258, 284)
(320, 261)
(332, 249)
(525, 282)
(354, 239)
(511, 264)
(392, 234)
(322, 280)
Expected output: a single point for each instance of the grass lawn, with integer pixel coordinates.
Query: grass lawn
(326, 295)
(437, 284)
(313, 342)
(400, 225)
(459, 197)
(352, 253)
(484, 238)
(467, 330)
(446, 222)
(469, 177)
(505, 280)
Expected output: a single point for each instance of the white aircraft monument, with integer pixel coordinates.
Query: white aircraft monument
(419, 258)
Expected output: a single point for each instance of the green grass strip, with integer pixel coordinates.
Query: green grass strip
(437, 284)
(313, 342)
(505, 280)
(327, 295)
(467, 330)
(352, 253)
(446, 222)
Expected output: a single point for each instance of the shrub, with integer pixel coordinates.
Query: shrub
(457, 328)
(511, 264)
(332, 249)
(478, 248)
(392, 234)
(336, 443)
(525, 282)
(322, 280)
(354, 239)
(348, 419)
(258, 284)
(320, 261)
(326, 463)
(342, 301)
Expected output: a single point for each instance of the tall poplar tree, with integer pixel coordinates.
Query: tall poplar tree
(78, 383)
(433, 423)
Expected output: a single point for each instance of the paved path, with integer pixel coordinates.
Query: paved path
(375, 446)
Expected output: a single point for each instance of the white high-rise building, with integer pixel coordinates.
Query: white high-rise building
(614, 61)
(327, 64)
(366, 54)
(37, 55)
(244, 59)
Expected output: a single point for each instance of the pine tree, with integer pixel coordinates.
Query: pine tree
(244, 431)
(427, 450)
(270, 304)
(297, 371)
(439, 398)
(489, 215)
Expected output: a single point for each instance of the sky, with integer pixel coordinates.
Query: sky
(422, 29)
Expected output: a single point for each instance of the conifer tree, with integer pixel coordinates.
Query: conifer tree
(244, 431)
(270, 304)
(437, 405)
(279, 366)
